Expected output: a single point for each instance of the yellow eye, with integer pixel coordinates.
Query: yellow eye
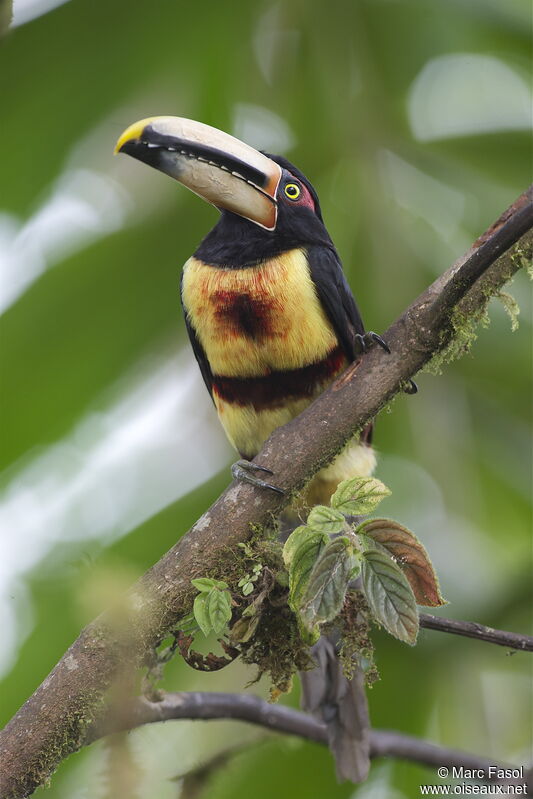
(292, 191)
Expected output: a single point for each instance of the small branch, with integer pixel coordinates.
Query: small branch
(252, 709)
(54, 721)
(207, 706)
(500, 236)
(471, 629)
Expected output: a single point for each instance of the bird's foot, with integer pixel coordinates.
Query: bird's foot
(241, 471)
(366, 340)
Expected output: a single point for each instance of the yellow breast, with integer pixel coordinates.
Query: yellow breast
(259, 319)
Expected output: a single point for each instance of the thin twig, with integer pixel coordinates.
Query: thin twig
(54, 721)
(471, 629)
(278, 718)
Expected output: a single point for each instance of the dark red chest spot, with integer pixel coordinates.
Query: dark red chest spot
(242, 314)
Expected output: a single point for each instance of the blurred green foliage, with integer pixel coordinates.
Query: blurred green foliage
(341, 77)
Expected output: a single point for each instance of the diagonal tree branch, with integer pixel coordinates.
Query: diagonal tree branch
(254, 710)
(471, 629)
(54, 721)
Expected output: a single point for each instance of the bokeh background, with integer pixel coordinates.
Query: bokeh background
(411, 118)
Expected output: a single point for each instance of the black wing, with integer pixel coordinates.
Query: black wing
(336, 297)
(199, 352)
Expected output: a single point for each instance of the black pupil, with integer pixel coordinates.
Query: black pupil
(292, 190)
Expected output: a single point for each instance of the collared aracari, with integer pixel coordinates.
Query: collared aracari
(270, 316)
(272, 322)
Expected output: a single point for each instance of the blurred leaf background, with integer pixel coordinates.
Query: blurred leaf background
(411, 119)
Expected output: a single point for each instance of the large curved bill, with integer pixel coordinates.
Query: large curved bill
(218, 167)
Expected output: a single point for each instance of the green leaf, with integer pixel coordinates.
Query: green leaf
(300, 553)
(187, 624)
(201, 613)
(309, 635)
(389, 595)
(282, 578)
(325, 520)
(328, 582)
(206, 584)
(359, 496)
(293, 542)
(302, 566)
(356, 566)
(247, 588)
(218, 609)
(410, 555)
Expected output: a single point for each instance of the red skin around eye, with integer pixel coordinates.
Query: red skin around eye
(305, 198)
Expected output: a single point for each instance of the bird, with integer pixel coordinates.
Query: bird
(272, 322)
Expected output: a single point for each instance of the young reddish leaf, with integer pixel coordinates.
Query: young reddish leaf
(410, 555)
(389, 595)
(359, 496)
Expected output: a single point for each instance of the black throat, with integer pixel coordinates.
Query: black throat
(235, 242)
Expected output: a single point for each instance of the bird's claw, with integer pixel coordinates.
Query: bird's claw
(241, 471)
(366, 340)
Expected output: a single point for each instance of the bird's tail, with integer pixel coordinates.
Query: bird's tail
(341, 705)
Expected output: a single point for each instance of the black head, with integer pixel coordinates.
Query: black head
(236, 242)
